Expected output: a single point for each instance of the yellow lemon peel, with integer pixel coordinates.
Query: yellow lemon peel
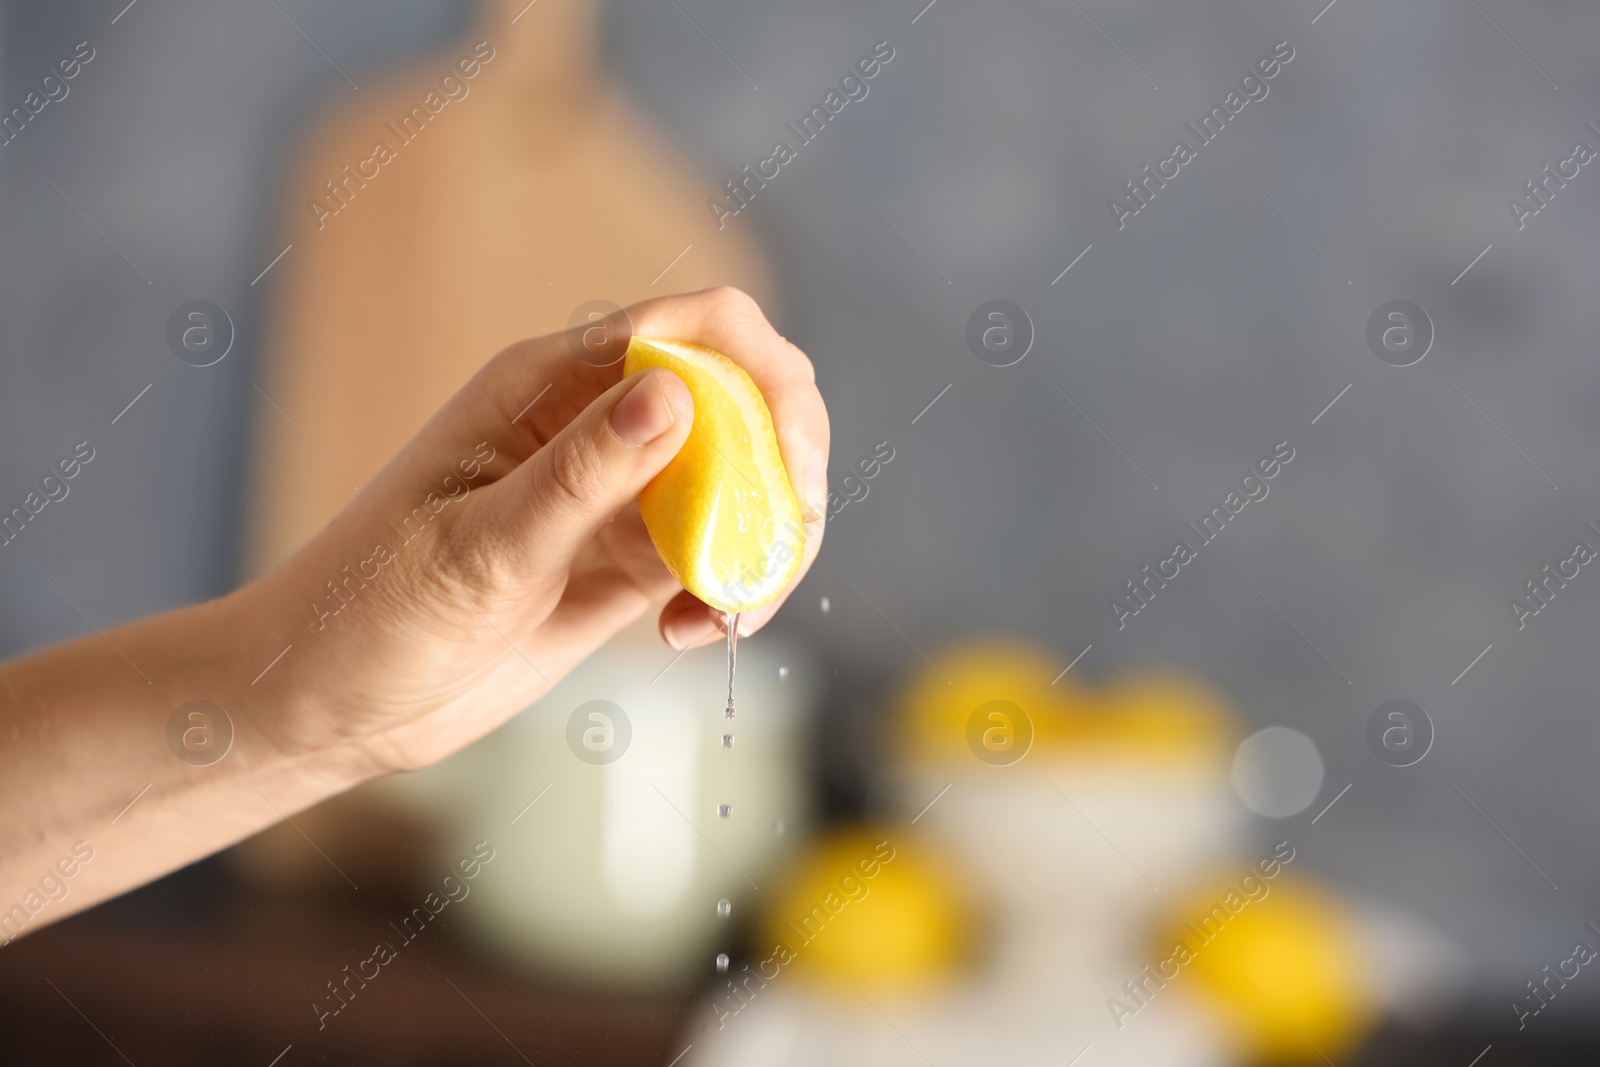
(1148, 715)
(1283, 974)
(864, 906)
(722, 514)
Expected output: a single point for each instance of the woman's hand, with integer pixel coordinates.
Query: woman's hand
(501, 547)
(504, 544)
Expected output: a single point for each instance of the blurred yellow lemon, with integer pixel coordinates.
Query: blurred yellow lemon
(1282, 973)
(1001, 700)
(722, 515)
(937, 706)
(1168, 712)
(868, 908)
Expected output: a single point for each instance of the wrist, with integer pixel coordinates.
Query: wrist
(284, 713)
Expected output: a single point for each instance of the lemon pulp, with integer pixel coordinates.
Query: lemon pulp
(722, 514)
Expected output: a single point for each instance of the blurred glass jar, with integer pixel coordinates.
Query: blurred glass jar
(602, 803)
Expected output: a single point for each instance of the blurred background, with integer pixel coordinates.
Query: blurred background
(975, 809)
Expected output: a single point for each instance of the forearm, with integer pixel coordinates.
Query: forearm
(85, 757)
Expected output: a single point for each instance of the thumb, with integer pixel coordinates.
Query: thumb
(595, 466)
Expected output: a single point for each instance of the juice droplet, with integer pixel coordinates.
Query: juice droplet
(724, 908)
(825, 605)
(724, 810)
(732, 623)
(783, 672)
(727, 740)
(722, 963)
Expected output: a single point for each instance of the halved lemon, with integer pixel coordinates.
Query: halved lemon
(722, 514)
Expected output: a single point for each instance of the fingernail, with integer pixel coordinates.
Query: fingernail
(651, 407)
(816, 485)
(690, 628)
(751, 621)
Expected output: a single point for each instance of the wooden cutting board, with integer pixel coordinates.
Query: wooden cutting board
(525, 185)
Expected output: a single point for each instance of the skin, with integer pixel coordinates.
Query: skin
(509, 586)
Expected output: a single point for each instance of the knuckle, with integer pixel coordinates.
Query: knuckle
(730, 298)
(514, 358)
(464, 562)
(575, 473)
